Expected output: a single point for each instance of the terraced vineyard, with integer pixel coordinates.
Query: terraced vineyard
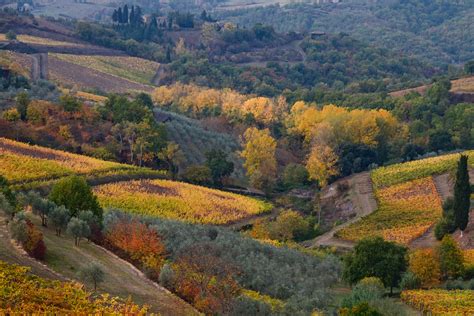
(131, 68)
(21, 163)
(399, 173)
(406, 211)
(23, 293)
(41, 41)
(408, 202)
(441, 302)
(181, 201)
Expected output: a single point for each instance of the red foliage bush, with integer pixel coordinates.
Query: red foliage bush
(34, 244)
(139, 243)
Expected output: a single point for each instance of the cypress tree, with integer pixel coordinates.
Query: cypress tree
(115, 16)
(119, 15)
(125, 14)
(138, 15)
(132, 15)
(462, 192)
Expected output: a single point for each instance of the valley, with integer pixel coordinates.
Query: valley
(236, 158)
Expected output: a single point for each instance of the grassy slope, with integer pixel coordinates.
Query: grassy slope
(120, 278)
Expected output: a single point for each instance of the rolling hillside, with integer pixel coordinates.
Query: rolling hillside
(28, 166)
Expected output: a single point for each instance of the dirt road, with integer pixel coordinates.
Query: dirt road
(363, 198)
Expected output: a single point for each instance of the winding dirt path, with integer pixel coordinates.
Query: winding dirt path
(363, 198)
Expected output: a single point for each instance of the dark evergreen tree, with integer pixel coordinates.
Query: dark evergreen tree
(132, 16)
(216, 161)
(120, 15)
(125, 14)
(168, 55)
(115, 16)
(204, 15)
(153, 23)
(138, 16)
(462, 192)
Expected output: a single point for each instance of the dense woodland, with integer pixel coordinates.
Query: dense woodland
(433, 30)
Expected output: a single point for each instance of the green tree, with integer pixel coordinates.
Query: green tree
(92, 273)
(469, 67)
(451, 258)
(289, 225)
(220, 167)
(145, 100)
(69, 103)
(172, 156)
(197, 174)
(78, 229)
(462, 193)
(446, 224)
(59, 218)
(10, 35)
(295, 175)
(22, 100)
(7, 192)
(6, 207)
(375, 257)
(76, 195)
(366, 290)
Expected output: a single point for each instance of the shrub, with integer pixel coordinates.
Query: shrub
(6, 207)
(451, 258)
(424, 264)
(295, 175)
(30, 237)
(243, 305)
(11, 115)
(409, 281)
(92, 273)
(166, 276)
(10, 35)
(198, 175)
(366, 290)
(469, 272)
(454, 285)
(363, 309)
(446, 224)
(138, 243)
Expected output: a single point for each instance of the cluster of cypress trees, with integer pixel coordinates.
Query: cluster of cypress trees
(126, 16)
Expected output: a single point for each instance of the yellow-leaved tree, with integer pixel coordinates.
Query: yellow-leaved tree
(261, 108)
(425, 265)
(322, 164)
(259, 154)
